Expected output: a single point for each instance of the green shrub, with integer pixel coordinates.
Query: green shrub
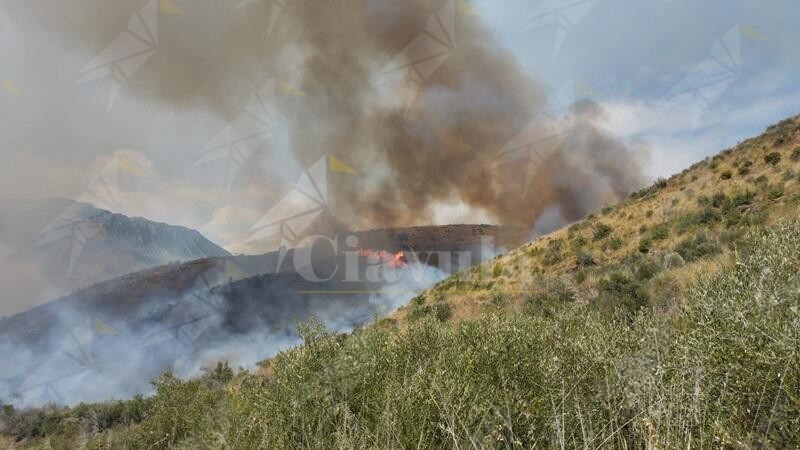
(772, 158)
(645, 244)
(660, 232)
(646, 270)
(497, 271)
(624, 292)
(585, 259)
(659, 184)
(548, 301)
(775, 192)
(726, 175)
(796, 154)
(699, 246)
(601, 231)
(719, 200)
(439, 310)
(578, 243)
(614, 243)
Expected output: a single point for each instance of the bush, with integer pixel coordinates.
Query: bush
(660, 232)
(614, 243)
(585, 259)
(659, 184)
(548, 301)
(645, 244)
(796, 154)
(699, 246)
(497, 271)
(601, 231)
(775, 192)
(726, 175)
(772, 158)
(553, 254)
(646, 270)
(623, 291)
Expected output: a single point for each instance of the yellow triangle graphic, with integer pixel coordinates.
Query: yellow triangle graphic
(12, 88)
(168, 7)
(129, 167)
(751, 33)
(584, 90)
(234, 272)
(101, 327)
(338, 166)
(287, 89)
(465, 9)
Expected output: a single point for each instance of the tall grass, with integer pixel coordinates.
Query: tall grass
(722, 371)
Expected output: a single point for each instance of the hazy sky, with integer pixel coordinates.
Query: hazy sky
(685, 77)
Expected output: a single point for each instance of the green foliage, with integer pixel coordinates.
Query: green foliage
(659, 184)
(440, 311)
(775, 192)
(497, 271)
(720, 371)
(621, 291)
(772, 158)
(726, 175)
(699, 246)
(645, 244)
(585, 259)
(614, 243)
(660, 232)
(578, 242)
(548, 301)
(553, 254)
(796, 154)
(601, 231)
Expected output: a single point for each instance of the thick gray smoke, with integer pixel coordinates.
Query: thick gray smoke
(431, 139)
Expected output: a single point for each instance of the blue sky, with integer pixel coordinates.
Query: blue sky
(630, 55)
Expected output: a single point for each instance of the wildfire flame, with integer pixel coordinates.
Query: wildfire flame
(395, 260)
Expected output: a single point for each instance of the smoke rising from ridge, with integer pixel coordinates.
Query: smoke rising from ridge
(430, 139)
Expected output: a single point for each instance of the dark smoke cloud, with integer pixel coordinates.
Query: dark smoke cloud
(442, 151)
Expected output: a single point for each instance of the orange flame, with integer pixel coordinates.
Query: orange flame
(395, 260)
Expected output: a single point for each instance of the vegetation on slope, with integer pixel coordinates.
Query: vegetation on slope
(722, 371)
(656, 323)
(645, 250)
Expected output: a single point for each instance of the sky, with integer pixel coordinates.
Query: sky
(682, 78)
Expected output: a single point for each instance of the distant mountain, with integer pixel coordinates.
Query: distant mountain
(110, 339)
(52, 247)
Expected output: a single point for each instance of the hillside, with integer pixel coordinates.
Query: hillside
(51, 247)
(669, 320)
(651, 245)
(181, 315)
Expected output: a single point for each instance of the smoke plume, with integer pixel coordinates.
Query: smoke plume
(432, 138)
